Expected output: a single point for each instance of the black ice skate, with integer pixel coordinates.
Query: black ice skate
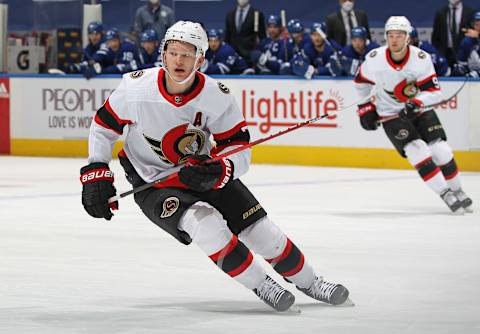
(275, 295)
(467, 202)
(331, 293)
(452, 201)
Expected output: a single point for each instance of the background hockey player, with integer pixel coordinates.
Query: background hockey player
(354, 54)
(407, 89)
(469, 52)
(170, 114)
(149, 53)
(221, 58)
(115, 58)
(439, 62)
(267, 58)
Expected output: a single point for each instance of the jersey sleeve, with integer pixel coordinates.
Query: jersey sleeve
(427, 83)
(363, 79)
(230, 131)
(108, 125)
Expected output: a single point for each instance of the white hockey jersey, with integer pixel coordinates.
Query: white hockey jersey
(395, 83)
(162, 130)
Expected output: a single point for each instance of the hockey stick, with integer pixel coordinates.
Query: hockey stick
(283, 17)
(236, 150)
(389, 118)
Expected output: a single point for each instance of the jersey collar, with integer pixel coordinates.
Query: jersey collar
(391, 62)
(179, 100)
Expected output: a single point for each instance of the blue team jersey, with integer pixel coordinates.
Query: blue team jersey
(273, 51)
(319, 59)
(91, 49)
(149, 60)
(349, 51)
(293, 48)
(469, 53)
(225, 61)
(124, 60)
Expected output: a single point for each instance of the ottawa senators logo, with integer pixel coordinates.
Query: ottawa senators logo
(421, 55)
(170, 206)
(223, 88)
(137, 74)
(404, 91)
(177, 144)
(373, 53)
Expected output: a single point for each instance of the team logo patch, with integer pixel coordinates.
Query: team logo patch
(421, 55)
(177, 144)
(170, 206)
(373, 53)
(404, 91)
(178, 99)
(223, 88)
(402, 134)
(137, 74)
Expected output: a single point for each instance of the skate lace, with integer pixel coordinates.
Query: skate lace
(270, 291)
(322, 289)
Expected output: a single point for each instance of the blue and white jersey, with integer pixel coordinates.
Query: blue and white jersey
(319, 59)
(293, 48)
(439, 62)
(272, 50)
(149, 60)
(469, 53)
(126, 59)
(351, 59)
(224, 61)
(91, 49)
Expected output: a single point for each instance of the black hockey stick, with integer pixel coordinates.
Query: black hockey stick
(389, 118)
(236, 150)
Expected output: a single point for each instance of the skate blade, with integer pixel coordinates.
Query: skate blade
(346, 303)
(469, 209)
(459, 212)
(294, 309)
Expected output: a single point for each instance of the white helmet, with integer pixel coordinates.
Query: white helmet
(188, 32)
(398, 23)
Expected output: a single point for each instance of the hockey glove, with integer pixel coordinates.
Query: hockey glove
(412, 109)
(368, 116)
(97, 181)
(201, 175)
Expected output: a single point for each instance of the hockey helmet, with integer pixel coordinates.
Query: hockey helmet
(112, 33)
(95, 27)
(359, 32)
(316, 26)
(476, 16)
(188, 32)
(274, 20)
(295, 26)
(398, 23)
(149, 35)
(215, 33)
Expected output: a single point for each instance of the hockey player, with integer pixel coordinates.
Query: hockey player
(267, 58)
(149, 53)
(170, 114)
(95, 41)
(439, 62)
(469, 53)
(221, 58)
(115, 58)
(298, 38)
(354, 53)
(407, 89)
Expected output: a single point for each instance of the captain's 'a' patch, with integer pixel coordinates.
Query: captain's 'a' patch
(223, 88)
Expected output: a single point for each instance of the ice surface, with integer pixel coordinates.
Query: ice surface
(410, 265)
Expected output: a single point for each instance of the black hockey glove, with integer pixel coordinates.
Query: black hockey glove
(200, 175)
(97, 181)
(368, 116)
(412, 109)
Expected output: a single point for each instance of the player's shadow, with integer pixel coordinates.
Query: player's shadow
(394, 214)
(217, 306)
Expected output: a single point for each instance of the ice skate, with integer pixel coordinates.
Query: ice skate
(330, 293)
(276, 296)
(452, 201)
(466, 201)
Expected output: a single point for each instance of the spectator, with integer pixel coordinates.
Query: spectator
(469, 52)
(221, 58)
(341, 23)
(439, 62)
(448, 26)
(267, 58)
(154, 16)
(240, 28)
(354, 53)
(149, 52)
(116, 57)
